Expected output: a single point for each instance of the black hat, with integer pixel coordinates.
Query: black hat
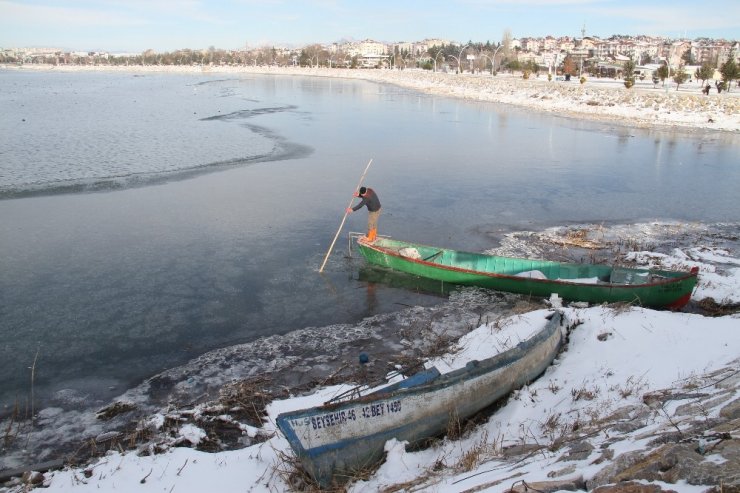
(362, 191)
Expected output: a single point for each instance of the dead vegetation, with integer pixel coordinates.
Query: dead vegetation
(580, 238)
(115, 409)
(291, 471)
(713, 309)
(247, 400)
(585, 393)
(478, 452)
(16, 425)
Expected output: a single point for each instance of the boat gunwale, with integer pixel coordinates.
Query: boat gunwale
(551, 331)
(675, 275)
(486, 365)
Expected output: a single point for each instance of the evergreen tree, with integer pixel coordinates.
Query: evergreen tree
(704, 73)
(680, 76)
(729, 71)
(629, 73)
(662, 73)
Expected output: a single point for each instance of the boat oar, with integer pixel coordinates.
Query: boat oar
(344, 218)
(427, 259)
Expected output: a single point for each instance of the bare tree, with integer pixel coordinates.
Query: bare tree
(506, 41)
(149, 57)
(311, 55)
(264, 55)
(569, 65)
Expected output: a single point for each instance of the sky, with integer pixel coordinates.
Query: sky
(613, 359)
(168, 25)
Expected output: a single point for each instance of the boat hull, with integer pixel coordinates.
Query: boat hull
(335, 441)
(649, 288)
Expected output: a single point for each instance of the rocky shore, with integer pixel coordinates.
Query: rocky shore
(645, 105)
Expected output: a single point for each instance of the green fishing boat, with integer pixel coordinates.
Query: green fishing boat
(591, 283)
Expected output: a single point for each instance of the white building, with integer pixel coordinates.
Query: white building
(431, 43)
(369, 53)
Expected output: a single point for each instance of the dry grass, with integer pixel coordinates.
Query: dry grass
(633, 386)
(553, 427)
(713, 309)
(14, 427)
(525, 306)
(290, 469)
(620, 307)
(247, 399)
(553, 387)
(584, 393)
(580, 238)
(454, 426)
(475, 454)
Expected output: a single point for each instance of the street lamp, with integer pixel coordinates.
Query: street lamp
(668, 59)
(459, 57)
(489, 59)
(435, 59)
(457, 60)
(493, 64)
(420, 58)
(406, 59)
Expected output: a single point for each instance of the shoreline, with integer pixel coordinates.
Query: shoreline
(643, 106)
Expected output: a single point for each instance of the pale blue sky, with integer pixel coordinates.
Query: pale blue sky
(168, 25)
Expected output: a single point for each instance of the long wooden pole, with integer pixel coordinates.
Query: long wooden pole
(345, 217)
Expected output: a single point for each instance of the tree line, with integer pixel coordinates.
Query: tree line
(729, 72)
(489, 56)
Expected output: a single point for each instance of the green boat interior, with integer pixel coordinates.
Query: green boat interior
(526, 268)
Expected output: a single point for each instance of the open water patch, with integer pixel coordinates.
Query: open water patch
(251, 113)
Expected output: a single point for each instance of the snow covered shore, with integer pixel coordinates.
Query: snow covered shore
(644, 105)
(638, 395)
(610, 407)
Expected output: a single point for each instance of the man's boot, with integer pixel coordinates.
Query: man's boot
(372, 234)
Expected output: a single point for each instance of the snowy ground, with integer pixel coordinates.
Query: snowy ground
(630, 381)
(644, 105)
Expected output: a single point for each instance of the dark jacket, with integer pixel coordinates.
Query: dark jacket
(370, 199)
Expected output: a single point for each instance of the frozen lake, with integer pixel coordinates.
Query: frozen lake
(146, 219)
